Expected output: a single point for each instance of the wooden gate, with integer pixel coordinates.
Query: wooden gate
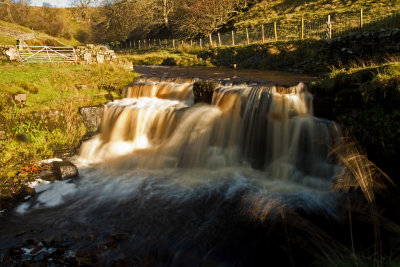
(45, 54)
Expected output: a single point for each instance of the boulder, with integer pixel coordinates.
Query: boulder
(64, 170)
(92, 117)
(203, 91)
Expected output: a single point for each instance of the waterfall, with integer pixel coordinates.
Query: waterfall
(272, 129)
(193, 184)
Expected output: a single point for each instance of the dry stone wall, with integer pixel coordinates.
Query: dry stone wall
(95, 54)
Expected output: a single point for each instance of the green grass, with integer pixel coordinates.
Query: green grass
(48, 87)
(15, 27)
(367, 100)
(7, 39)
(293, 10)
(180, 57)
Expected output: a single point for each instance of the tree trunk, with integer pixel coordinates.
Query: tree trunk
(165, 13)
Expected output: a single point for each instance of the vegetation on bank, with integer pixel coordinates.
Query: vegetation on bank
(166, 57)
(49, 120)
(306, 55)
(287, 56)
(292, 11)
(367, 101)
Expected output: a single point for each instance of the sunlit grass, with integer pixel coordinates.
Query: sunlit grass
(7, 39)
(60, 87)
(292, 11)
(173, 57)
(40, 37)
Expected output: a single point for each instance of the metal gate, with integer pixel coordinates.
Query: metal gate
(45, 54)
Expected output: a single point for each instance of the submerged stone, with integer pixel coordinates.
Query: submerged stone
(64, 170)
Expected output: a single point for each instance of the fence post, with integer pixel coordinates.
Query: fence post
(130, 44)
(219, 39)
(302, 28)
(201, 44)
(191, 43)
(361, 20)
(262, 31)
(233, 38)
(173, 43)
(139, 44)
(211, 41)
(275, 32)
(329, 28)
(247, 34)
(182, 43)
(134, 44)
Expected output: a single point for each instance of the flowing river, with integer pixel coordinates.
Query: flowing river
(245, 181)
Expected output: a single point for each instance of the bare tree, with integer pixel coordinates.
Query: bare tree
(83, 7)
(167, 7)
(206, 16)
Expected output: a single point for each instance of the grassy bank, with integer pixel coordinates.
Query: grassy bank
(289, 56)
(367, 101)
(49, 120)
(166, 57)
(310, 55)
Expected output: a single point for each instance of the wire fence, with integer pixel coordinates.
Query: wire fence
(331, 26)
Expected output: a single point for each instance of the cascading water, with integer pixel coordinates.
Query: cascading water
(244, 125)
(193, 184)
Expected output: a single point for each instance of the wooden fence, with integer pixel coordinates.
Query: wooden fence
(332, 26)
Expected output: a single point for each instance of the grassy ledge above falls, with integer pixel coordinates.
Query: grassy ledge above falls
(166, 57)
(367, 101)
(49, 120)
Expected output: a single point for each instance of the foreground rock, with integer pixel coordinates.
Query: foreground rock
(64, 170)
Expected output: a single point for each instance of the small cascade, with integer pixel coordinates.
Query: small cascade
(268, 128)
(174, 90)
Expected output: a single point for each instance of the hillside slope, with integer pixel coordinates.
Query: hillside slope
(293, 10)
(10, 33)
